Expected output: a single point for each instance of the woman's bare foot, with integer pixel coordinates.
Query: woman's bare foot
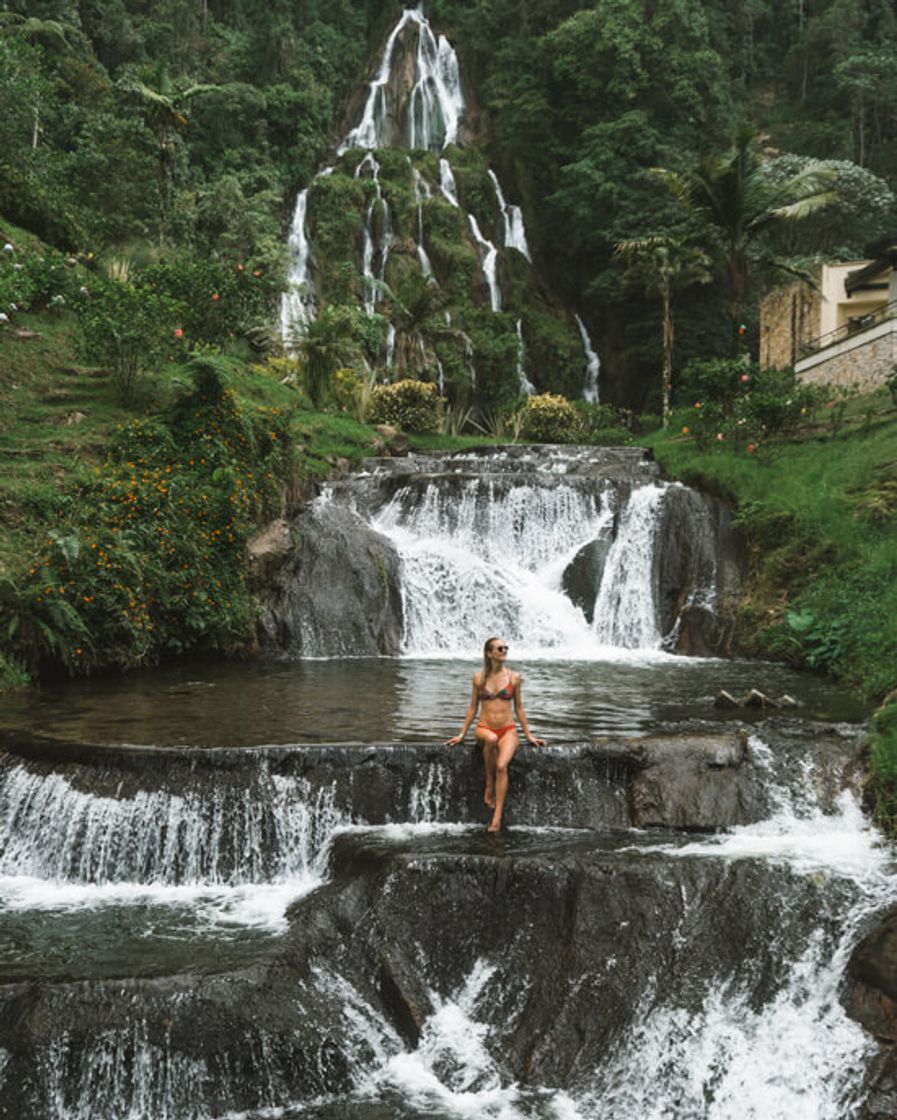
(489, 796)
(495, 826)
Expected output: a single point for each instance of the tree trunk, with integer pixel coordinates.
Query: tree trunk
(667, 373)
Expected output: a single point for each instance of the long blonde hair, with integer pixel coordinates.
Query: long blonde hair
(487, 660)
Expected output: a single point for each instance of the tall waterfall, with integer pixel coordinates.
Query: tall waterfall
(297, 307)
(376, 235)
(422, 192)
(436, 102)
(593, 365)
(526, 386)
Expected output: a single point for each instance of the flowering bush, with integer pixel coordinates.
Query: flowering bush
(726, 402)
(413, 406)
(550, 418)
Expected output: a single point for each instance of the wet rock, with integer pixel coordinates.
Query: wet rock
(725, 700)
(393, 442)
(697, 548)
(337, 593)
(695, 783)
(267, 551)
(582, 576)
(872, 998)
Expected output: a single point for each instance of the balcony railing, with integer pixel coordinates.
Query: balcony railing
(853, 326)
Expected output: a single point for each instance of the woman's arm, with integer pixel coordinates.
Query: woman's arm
(468, 715)
(521, 715)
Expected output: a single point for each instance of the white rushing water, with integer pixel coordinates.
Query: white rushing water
(527, 388)
(488, 263)
(593, 365)
(512, 217)
(297, 306)
(491, 560)
(436, 102)
(376, 235)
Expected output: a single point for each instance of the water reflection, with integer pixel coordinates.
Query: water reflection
(386, 700)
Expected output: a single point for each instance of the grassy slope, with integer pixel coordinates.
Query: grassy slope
(820, 516)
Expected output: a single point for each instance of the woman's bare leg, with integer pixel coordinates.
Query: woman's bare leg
(490, 753)
(507, 748)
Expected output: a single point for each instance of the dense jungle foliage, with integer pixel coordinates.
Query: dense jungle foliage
(158, 130)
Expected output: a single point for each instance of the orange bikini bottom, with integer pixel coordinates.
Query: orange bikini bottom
(499, 731)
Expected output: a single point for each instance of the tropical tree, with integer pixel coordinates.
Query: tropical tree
(326, 344)
(664, 264)
(734, 202)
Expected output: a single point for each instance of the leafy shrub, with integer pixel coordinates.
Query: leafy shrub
(612, 437)
(737, 404)
(413, 406)
(34, 280)
(550, 418)
(646, 423)
(596, 416)
(127, 330)
(215, 301)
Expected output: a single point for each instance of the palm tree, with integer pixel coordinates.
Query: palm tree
(323, 346)
(735, 202)
(164, 112)
(414, 312)
(664, 264)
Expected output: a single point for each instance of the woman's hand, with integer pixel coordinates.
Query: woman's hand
(535, 741)
(454, 741)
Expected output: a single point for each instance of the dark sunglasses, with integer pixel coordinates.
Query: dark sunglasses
(500, 649)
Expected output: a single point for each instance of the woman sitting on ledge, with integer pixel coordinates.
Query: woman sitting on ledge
(495, 687)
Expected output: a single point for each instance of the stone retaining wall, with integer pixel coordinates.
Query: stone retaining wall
(864, 361)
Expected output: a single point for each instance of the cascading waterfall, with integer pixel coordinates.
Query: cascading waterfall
(488, 263)
(526, 386)
(593, 365)
(374, 282)
(297, 307)
(422, 193)
(436, 103)
(512, 216)
(447, 183)
(626, 611)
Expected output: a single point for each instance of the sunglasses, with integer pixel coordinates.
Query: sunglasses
(499, 649)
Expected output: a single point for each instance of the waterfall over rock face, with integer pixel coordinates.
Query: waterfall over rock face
(411, 966)
(477, 253)
(422, 113)
(559, 548)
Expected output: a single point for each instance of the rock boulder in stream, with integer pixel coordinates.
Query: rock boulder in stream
(337, 593)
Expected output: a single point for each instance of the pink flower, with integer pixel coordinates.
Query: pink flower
(215, 296)
(745, 377)
(178, 332)
(752, 447)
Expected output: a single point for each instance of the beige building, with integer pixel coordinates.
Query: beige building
(844, 331)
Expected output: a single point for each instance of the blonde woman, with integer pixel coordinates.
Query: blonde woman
(495, 689)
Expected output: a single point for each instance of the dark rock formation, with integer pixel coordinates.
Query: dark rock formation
(697, 549)
(337, 593)
(872, 997)
(582, 576)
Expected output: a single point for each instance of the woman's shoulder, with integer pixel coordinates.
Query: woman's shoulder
(478, 678)
(516, 678)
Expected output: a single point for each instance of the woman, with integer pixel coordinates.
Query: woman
(495, 686)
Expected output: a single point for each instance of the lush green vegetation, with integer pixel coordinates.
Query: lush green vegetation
(883, 760)
(159, 133)
(817, 502)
